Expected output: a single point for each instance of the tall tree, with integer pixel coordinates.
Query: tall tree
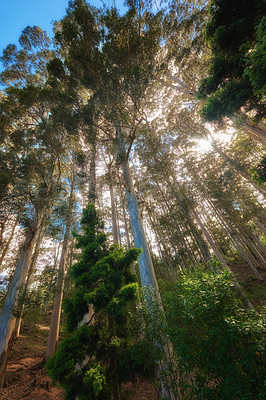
(102, 278)
(234, 31)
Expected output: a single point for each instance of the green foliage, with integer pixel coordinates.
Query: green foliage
(236, 35)
(218, 347)
(258, 173)
(95, 379)
(256, 69)
(91, 363)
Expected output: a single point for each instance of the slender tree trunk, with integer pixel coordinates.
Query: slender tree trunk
(182, 236)
(125, 219)
(210, 240)
(259, 244)
(162, 248)
(56, 313)
(115, 388)
(114, 220)
(92, 173)
(239, 244)
(6, 247)
(204, 252)
(238, 168)
(220, 257)
(118, 222)
(259, 225)
(51, 284)
(31, 268)
(255, 131)
(147, 273)
(3, 220)
(7, 319)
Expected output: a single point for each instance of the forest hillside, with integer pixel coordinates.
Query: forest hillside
(132, 204)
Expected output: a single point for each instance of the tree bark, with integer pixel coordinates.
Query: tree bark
(259, 225)
(161, 244)
(31, 268)
(7, 319)
(255, 131)
(5, 250)
(220, 257)
(125, 219)
(237, 167)
(114, 220)
(92, 173)
(147, 273)
(56, 313)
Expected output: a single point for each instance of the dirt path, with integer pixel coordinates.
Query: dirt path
(26, 378)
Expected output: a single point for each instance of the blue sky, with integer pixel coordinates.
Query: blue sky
(15, 15)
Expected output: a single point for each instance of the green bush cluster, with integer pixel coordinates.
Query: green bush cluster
(258, 173)
(235, 33)
(101, 354)
(219, 348)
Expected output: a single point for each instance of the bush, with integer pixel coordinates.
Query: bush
(99, 356)
(219, 348)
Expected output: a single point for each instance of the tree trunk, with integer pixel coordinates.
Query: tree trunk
(56, 313)
(7, 319)
(161, 244)
(259, 225)
(92, 173)
(147, 273)
(125, 219)
(5, 250)
(31, 268)
(51, 283)
(255, 131)
(202, 247)
(238, 168)
(178, 229)
(220, 257)
(210, 240)
(114, 220)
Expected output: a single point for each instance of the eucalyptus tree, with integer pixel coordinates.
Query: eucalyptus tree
(32, 219)
(113, 57)
(22, 105)
(223, 196)
(189, 58)
(56, 313)
(102, 277)
(234, 73)
(30, 116)
(115, 60)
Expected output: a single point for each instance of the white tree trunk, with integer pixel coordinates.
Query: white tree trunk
(146, 268)
(56, 313)
(7, 319)
(30, 271)
(5, 250)
(147, 273)
(114, 219)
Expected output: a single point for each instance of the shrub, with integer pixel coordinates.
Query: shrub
(219, 348)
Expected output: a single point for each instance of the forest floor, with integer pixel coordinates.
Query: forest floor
(26, 378)
(253, 286)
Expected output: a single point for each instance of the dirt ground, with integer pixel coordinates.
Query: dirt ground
(25, 375)
(254, 287)
(26, 378)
